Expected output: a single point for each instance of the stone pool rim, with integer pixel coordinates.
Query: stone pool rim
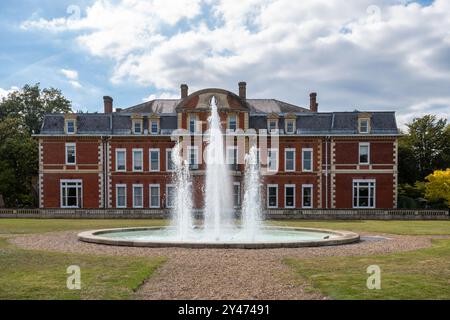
(340, 238)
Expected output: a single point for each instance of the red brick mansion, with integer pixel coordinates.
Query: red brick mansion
(122, 158)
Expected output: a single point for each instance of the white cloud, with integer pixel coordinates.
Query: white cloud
(70, 74)
(72, 77)
(365, 54)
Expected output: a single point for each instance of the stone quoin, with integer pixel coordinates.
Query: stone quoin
(121, 158)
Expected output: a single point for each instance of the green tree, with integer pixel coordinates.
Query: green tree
(18, 163)
(21, 115)
(423, 148)
(31, 103)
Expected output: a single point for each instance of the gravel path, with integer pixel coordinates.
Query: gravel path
(222, 273)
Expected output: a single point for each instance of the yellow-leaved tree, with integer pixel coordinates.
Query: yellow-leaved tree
(438, 186)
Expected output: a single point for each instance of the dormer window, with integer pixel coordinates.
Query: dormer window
(137, 126)
(154, 127)
(364, 125)
(70, 127)
(232, 122)
(273, 125)
(290, 126)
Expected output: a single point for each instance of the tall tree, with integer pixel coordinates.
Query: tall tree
(21, 115)
(31, 103)
(18, 163)
(426, 141)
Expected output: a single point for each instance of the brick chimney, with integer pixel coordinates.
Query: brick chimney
(184, 91)
(243, 90)
(108, 104)
(313, 105)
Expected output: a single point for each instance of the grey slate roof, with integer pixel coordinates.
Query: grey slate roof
(307, 123)
(162, 106)
(119, 123)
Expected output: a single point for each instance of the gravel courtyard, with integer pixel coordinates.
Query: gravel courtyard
(223, 273)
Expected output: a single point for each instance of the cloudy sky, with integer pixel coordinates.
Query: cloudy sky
(357, 54)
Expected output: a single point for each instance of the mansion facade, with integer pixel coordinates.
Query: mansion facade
(121, 158)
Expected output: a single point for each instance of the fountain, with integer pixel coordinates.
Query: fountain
(220, 228)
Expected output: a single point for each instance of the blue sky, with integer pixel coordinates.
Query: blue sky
(368, 55)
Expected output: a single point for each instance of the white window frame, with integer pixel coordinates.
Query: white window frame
(360, 121)
(79, 188)
(168, 159)
(293, 126)
(238, 184)
(304, 150)
(277, 158)
(364, 144)
(117, 195)
(142, 195)
(269, 129)
(74, 145)
(235, 122)
(125, 158)
(268, 196)
(285, 159)
(309, 186)
(151, 126)
(150, 160)
(197, 162)
(374, 193)
(140, 124)
(285, 194)
(134, 159)
(150, 195)
(74, 126)
(167, 196)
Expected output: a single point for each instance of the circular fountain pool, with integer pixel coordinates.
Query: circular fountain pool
(267, 237)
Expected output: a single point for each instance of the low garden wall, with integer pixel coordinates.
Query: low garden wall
(310, 214)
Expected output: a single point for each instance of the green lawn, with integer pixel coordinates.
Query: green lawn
(24, 226)
(31, 274)
(421, 274)
(393, 227)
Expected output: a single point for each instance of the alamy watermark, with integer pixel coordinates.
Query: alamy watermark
(74, 279)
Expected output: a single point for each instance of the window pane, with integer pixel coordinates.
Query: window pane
(290, 160)
(232, 124)
(154, 127)
(273, 160)
(137, 160)
(154, 196)
(121, 196)
(170, 164)
(289, 196)
(70, 127)
(307, 197)
(154, 159)
(120, 160)
(70, 150)
(137, 127)
(363, 154)
(137, 194)
(169, 196)
(307, 160)
(272, 196)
